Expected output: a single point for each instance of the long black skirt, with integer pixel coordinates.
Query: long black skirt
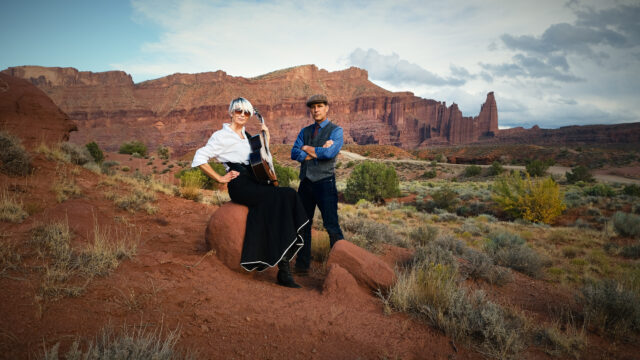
(274, 223)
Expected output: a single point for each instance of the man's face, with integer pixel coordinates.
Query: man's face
(319, 111)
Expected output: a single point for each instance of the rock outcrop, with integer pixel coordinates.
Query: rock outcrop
(182, 110)
(28, 113)
(225, 234)
(366, 268)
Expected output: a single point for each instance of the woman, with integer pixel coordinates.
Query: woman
(276, 215)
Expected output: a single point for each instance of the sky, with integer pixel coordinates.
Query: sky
(549, 63)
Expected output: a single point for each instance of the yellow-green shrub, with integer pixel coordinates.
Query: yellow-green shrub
(536, 200)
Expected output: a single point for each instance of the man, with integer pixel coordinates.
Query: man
(316, 149)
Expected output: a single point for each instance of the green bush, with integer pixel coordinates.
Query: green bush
(284, 174)
(133, 147)
(372, 181)
(95, 152)
(537, 200)
(579, 173)
(205, 181)
(631, 190)
(496, 169)
(472, 170)
(537, 168)
(603, 190)
(163, 152)
(429, 174)
(77, 154)
(445, 198)
(14, 159)
(626, 224)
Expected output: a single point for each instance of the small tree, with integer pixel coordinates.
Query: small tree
(372, 181)
(496, 169)
(579, 173)
(472, 170)
(532, 200)
(95, 152)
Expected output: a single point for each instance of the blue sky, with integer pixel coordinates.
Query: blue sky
(549, 63)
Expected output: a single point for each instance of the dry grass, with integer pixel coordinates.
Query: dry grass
(67, 271)
(65, 185)
(139, 344)
(10, 259)
(11, 209)
(14, 159)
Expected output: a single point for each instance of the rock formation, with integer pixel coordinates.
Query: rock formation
(225, 234)
(365, 267)
(182, 110)
(29, 114)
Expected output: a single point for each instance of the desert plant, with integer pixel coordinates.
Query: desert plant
(537, 168)
(445, 198)
(284, 174)
(472, 170)
(369, 234)
(107, 166)
(77, 154)
(429, 174)
(10, 258)
(579, 173)
(190, 184)
(510, 250)
(163, 152)
(95, 152)
(423, 234)
(603, 190)
(133, 147)
(14, 159)
(532, 200)
(496, 168)
(611, 308)
(631, 190)
(130, 344)
(64, 186)
(626, 224)
(11, 209)
(372, 181)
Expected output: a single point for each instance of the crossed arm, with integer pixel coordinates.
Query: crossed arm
(329, 149)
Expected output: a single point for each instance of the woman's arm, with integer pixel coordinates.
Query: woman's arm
(207, 169)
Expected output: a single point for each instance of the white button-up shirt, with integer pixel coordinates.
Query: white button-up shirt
(225, 146)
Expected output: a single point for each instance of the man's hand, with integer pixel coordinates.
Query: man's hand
(309, 150)
(328, 144)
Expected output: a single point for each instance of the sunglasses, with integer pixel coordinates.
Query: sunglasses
(240, 112)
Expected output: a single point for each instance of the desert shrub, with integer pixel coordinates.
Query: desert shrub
(106, 167)
(479, 265)
(138, 199)
(631, 190)
(423, 234)
(130, 344)
(14, 159)
(496, 169)
(429, 174)
(133, 147)
(370, 234)
(631, 251)
(537, 168)
(11, 209)
(445, 198)
(78, 155)
(602, 190)
(207, 182)
(372, 181)
(163, 152)
(611, 308)
(626, 224)
(472, 170)
(579, 173)
(95, 152)
(190, 184)
(284, 174)
(538, 200)
(510, 250)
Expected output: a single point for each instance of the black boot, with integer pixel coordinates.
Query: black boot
(284, 275)
(333, 239)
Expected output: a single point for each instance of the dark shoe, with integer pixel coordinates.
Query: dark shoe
(284, 275)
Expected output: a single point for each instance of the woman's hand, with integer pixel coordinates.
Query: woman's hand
(228, 176)
(266, 132)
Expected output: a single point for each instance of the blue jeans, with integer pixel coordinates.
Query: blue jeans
(324, 194)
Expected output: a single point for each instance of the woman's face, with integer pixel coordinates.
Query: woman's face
(240, 117)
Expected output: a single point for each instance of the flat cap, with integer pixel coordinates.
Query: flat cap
(317, 98)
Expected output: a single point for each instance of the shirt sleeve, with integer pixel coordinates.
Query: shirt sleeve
(296, 151)
(333, 150)
(211, 150)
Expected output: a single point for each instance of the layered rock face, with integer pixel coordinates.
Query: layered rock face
(182, 110)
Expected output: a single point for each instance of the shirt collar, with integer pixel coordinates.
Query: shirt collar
(324, 123)
(227, 127)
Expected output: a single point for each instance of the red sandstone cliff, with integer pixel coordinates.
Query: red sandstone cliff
(28, 113)
(182, 110)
